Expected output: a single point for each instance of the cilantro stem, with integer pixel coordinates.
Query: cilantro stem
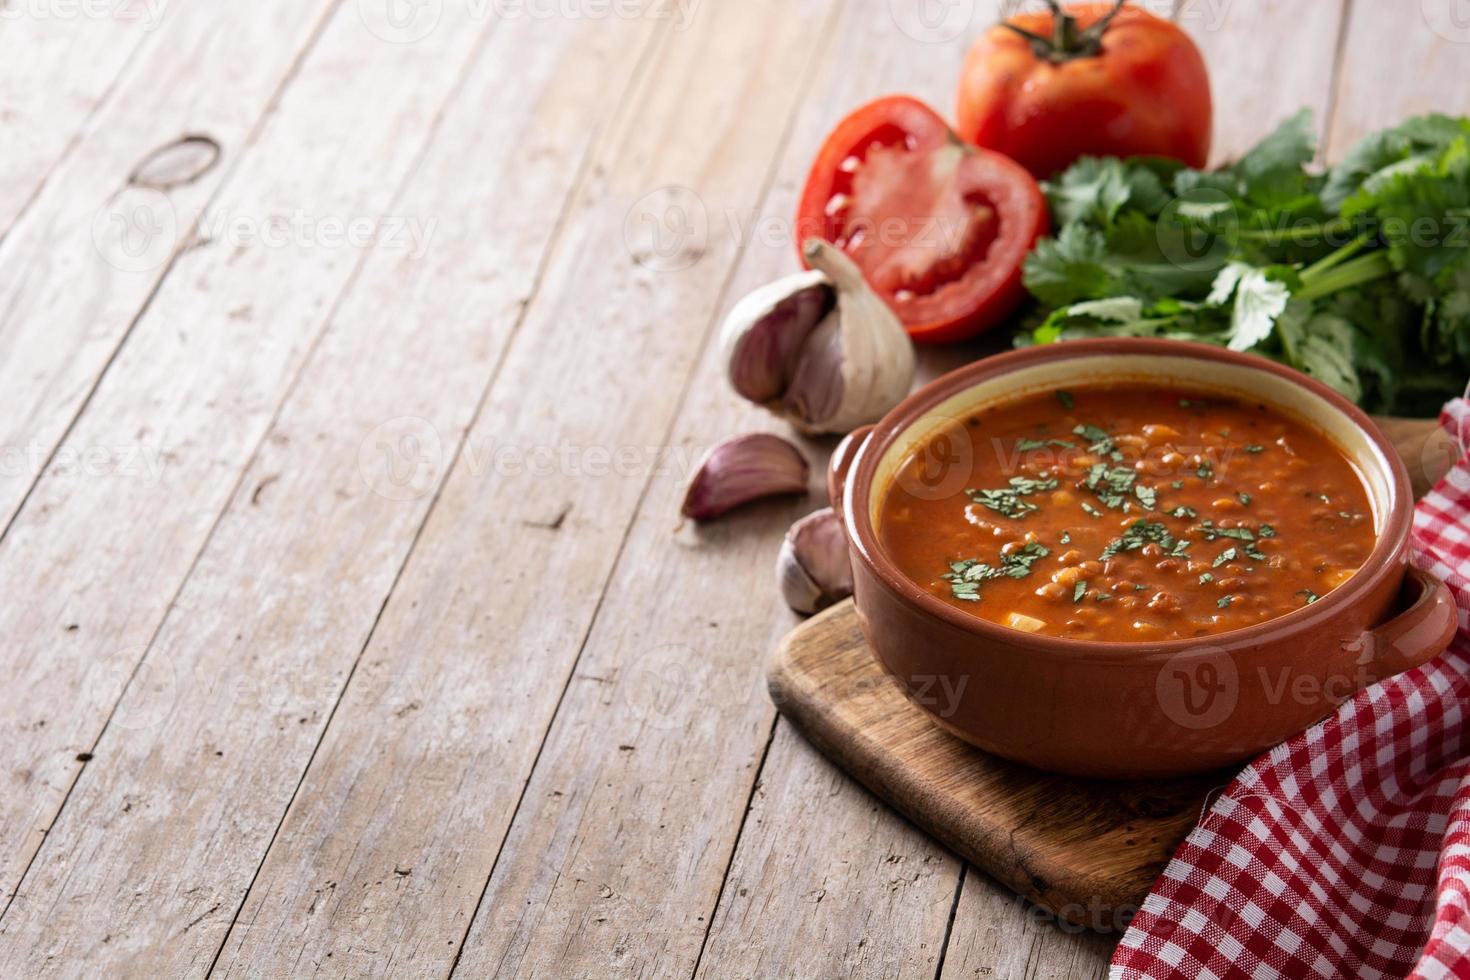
(1309, 232)
(1316, 269)
(1355, 272)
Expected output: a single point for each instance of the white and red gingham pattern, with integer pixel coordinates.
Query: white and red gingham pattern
(1344, 852)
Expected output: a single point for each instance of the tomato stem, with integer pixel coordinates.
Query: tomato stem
(1066, 41)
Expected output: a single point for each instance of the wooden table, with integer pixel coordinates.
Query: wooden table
(354, 357)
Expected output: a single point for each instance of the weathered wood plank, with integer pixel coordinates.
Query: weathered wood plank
(1267, 59)
(420, 771)
(1399, 60)
(1000, 936)
(184, 809)
(828, 882)
(82, 261)
(95, 558)
(666, 718)
(57, 64)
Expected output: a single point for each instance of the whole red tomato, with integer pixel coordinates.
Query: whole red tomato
(1096, 79)
(939, 228)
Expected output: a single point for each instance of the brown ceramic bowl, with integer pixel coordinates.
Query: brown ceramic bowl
(1130, 710)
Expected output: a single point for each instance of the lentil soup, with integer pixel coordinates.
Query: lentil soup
(1128, 512)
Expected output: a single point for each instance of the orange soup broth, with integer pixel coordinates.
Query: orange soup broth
(1128, 512)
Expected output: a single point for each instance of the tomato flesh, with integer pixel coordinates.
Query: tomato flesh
(938, 228)
(959, 228)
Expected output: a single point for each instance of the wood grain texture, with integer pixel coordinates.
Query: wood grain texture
(1267, 59)
(854, 894)
(1000, 936)
(664, 720)
(554, 749)
(1399, 60)
(57, 65)
(185, 808)
(538, 505)
(1080, 849)
(79, 266)
(95, 559)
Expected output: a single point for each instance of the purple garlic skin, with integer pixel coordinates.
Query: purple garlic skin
(819, 348)
(742, 469)
(766, 330)
(814, 569)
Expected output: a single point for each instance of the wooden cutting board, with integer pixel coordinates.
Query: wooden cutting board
(1088, 851)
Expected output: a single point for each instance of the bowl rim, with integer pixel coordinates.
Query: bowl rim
(1389, 551)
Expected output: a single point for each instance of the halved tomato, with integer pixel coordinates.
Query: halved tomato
(939, 228)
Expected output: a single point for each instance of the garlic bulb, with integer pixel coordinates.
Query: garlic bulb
(819, 348)
(813, 568)
(743, 469)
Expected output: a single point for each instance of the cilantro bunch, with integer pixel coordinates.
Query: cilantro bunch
(1359, 277)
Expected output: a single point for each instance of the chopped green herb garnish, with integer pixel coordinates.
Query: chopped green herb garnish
(1009, 501)
(1079, 592)
(1266, 531)
(1310, 596)
(1066, 537)
(1177, 484)
(1147, 496)
(1098, 439)
(1068, 402)
(1254, 553)
(1208, 529)
(1206, 470)
(1103, 596)
(1091, 509)
(1183, 511)
(1027, 445)
(1206, 579)
(1254, 448)
(1225, 601)
(1140, 533)
(1228, 555)
(964, 577)
(1244, 498)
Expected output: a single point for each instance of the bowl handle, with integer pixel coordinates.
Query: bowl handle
(1419, 633)
(841, 463)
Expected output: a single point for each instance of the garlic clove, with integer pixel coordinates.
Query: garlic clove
(819, 348)
(817, 386)
(764, 332)
(743, 469)
(876, 362)
(814, 569)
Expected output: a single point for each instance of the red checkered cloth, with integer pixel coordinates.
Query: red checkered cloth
(1344, 852)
